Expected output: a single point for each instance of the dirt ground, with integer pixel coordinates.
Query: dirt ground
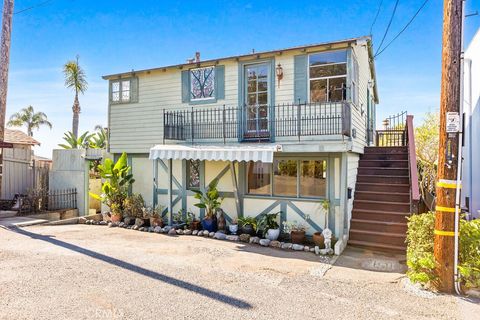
(95, 272)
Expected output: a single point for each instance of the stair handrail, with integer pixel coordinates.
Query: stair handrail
(412, 166)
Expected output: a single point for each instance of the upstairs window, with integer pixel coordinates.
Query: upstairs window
(124, 91)
(202, 83)
(328, 76)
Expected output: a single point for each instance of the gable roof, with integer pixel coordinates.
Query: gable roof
(19, 137)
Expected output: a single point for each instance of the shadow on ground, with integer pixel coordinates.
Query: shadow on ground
(134, 268)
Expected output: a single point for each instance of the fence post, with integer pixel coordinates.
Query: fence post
(191, 125)
(299, 113)
(223, 121)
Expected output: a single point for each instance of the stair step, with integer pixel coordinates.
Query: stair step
(386, 150)
(365, 186)
(379, 226)
(384, 156)
(364, 163)
(403, 172)
(377, 246)
(396, 239)
(376, 215)
(385, 195)
(381, 205)
(376, 178)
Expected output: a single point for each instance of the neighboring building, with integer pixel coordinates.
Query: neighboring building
(471, 109)
(17, 163)
(282, 130)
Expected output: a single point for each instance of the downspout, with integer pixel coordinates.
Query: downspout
(459, 164)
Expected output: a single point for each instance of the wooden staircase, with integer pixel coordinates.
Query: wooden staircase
(382, 199)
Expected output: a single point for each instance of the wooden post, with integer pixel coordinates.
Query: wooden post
(4, 64)
(448, 144)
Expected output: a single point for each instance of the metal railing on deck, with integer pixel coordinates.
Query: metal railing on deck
(258, 123)
(393, 134)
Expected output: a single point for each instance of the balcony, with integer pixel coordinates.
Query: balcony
(258, 123)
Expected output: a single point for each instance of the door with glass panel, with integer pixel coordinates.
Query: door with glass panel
(257, 93)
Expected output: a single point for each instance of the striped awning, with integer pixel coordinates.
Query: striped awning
(258, 152)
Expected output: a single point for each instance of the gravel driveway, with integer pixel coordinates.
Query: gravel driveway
(93, 272)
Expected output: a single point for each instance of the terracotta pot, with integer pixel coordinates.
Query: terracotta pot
(116, 217)
(195, 225)
(156, 222)
(297, 237)
(318, 239)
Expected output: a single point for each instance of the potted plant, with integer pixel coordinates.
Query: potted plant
(233, 228)
(248, 225)
(115, 187)
(133, 206)
(210, 200)
(269, 226)
(318, 237)
(154, 215)
(296, 230)
(192, 221)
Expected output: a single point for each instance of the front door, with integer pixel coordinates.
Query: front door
(257, 93)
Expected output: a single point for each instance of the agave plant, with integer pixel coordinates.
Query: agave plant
(76, 143)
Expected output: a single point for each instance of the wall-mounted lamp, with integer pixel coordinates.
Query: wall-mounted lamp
(279, 72)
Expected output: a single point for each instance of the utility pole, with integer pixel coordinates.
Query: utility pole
(445, 216)
(4, 63)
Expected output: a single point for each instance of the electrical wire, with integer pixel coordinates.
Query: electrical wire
(388, 26)
(401, 31)
(376, 16)
(41, 4)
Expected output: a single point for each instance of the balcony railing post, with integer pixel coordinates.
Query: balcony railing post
(191, 125)
(164, 126)
(299, 124)
(224, 124)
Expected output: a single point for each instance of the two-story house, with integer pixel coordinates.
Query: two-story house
(282, 130)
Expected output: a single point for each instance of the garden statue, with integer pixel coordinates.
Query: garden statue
(222, 224)
(327, 234)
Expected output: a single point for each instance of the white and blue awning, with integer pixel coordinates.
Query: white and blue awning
(257, 152)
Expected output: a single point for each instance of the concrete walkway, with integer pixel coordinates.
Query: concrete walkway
(95, 272)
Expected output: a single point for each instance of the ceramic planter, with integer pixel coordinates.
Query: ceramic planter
(272, 234)
(248, 229)
(195, 225)
(209, 224)
(116, 217)
(297, 237)
(318, 239)
(233, 228)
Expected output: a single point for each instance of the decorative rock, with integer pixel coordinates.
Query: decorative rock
(306, 248)
(127, 220)
(254, 240)
(103, 223)
(121, 224)
(211, 234)
(179, 231)
(232, 237)
(194, 232)
(82, 220)
(110, 225)
(312, 249)
(139, 222)
(135, 227)
(245, 237)
(187, 232)
(167, 228)
(275, 244)
(264, 242)
(172, 232)
(219, 236)
(206, 233)
(157, 229)
(141, 229)
(88, 222)
(317, 250)
(298, 247)
(287, 245)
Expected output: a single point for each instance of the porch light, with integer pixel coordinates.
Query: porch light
(279, 72)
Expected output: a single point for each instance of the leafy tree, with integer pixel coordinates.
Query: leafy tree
(76, 143)
(99, 139)
(29, 118)
(426, 143)
(75, 79)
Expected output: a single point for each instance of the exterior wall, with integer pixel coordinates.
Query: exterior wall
(471, 108)
(18, 174)
(352, 169)
(136, 127)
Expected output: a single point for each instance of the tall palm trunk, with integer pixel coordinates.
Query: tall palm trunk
(76, 115)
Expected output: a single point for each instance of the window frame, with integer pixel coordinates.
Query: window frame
(188, 170)
(309, 79)
(213, 98)
(120, 92)
(299, 161)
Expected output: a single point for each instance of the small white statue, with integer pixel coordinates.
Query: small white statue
(327, 235)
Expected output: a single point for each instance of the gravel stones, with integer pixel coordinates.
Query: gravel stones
(232, 237)
(220, 236)
(187, 232)
(275, 244)
(298, 247)
(287, 245)
(245, 237)
(194, 232)
(157, 229)
(179, 231)
(255, 240)
(172, 232)
(211, 234)
(206, 233)
(264, 242)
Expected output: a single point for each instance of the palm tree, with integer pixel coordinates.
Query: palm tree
(29, 118)
(75, 79)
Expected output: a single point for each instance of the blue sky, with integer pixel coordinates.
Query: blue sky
(115, 36)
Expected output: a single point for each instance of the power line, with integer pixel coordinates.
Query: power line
(41, 4)
(376, 16)
(404, 28)
(388, 26)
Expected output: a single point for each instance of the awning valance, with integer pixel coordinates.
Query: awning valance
(260, 152)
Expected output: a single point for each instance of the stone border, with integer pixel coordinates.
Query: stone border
(245, 238)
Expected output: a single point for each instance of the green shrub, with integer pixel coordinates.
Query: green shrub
(420, 258)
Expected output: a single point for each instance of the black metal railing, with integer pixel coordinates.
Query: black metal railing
(394, 133)
(258, 123)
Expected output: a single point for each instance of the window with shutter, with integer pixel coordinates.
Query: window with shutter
(203, 85)
(124, 90)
